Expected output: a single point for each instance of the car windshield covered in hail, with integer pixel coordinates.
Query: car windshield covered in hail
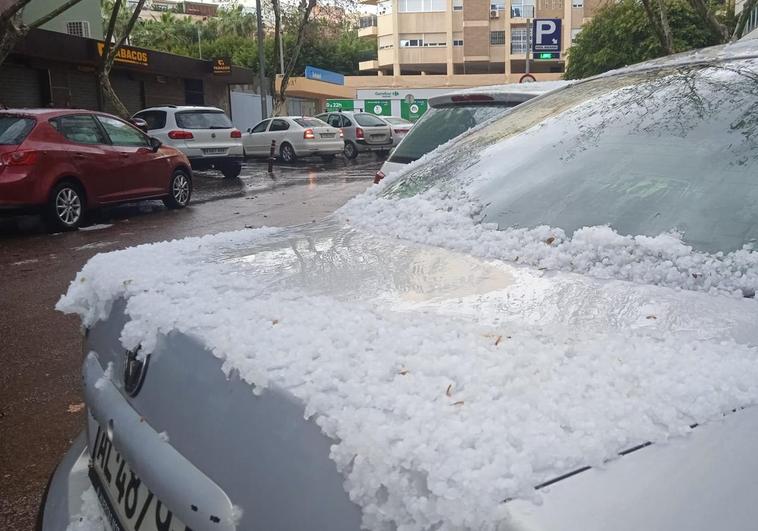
(611, 151)
(547, 325)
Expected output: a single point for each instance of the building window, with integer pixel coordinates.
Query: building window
(577, 3)
(497, 5)
(411, 43)
(421, 6)
(457, 42)
(497, 38)
(457, 5)
(80, 28)
(522, 8)
(551, 5)
(518, 40)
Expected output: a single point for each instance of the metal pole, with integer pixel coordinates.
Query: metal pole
(528, 42)
(199, 44)
(281, 52)
(261, 59)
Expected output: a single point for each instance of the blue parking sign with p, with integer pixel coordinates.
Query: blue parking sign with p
(547, 35)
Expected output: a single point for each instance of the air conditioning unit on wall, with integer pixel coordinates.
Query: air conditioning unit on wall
(494, 14)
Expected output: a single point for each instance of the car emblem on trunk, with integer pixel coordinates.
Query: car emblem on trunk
(134, 371)
(213, 135)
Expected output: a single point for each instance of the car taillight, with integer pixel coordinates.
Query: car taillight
(180, 135)
(18, 158)
(359, 133)
(378, 177)
(235, 134)
(308, 134)
(342, 134)
(471, 97)
(399, 131)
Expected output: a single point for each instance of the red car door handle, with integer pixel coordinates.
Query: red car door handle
(78, 155)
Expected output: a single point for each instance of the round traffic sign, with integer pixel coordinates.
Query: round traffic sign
(409, 99)
(527, 78)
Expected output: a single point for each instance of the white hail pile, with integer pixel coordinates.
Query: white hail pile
(447, 219)
(436, 419)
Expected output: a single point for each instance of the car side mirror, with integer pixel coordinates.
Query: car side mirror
(155, 144)
(249, 129)
(139, 123)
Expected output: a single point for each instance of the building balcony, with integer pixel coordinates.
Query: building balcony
(368, 66)
(367, 26)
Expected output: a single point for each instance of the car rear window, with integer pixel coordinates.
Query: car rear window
(440, 124)
(203, 120)
(368, 120)
(154, 119)
(310, 122)
(397, 121)
(14, 129)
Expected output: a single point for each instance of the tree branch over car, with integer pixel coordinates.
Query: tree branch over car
(304, 9)
(110, 50)
(13, 29)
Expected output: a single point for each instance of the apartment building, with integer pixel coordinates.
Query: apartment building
(453, 37)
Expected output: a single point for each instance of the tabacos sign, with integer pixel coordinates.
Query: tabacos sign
(126, 54)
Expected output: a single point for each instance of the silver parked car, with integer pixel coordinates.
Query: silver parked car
(362, 131)
(400, 127)
(295, 136)
(453, 114)
(562, 342)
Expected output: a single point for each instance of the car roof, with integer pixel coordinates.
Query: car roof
(511, 92)
(180, 108)
(50, 113)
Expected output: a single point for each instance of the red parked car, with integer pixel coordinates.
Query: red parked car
(62, 162)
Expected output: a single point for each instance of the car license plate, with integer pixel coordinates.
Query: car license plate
(214, 151)
(327, 135)
(128, 503)
(378, 137)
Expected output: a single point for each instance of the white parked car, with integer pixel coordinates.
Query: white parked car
(295, 136)
(400, 127)
(363, 132)
(204, 134)
(453, 114)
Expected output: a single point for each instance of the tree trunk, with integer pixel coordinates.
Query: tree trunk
(306, 6)
(709, 18)
(657, 23)
(109, 56)
(747, 8)
(665, 27)
(278, 102)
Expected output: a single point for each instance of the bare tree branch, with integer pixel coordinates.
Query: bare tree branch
(14, 8)
(111, 28)
(54, 13)
(109, 55)
(306, 6)
(747, 9)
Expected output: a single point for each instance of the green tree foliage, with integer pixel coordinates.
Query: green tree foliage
(330, 42)
(620, 35)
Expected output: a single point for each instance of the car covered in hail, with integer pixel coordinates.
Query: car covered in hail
(548, 325)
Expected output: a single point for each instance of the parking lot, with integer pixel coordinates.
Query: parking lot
(40, 401)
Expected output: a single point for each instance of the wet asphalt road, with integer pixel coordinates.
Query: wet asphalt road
(41, 408)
